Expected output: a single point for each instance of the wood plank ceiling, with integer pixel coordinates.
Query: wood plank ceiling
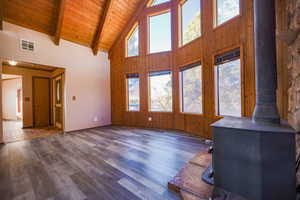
(93, 23)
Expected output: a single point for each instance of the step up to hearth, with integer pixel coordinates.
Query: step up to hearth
(188, 181)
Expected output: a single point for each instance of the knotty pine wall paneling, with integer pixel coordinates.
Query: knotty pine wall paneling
(237, 32)
(282, 19)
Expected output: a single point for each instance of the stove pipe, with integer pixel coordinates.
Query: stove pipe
(265, 59)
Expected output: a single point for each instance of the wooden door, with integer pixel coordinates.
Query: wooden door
(41, 102)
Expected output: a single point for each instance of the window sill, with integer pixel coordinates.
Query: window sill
(227, 22)
(161, 52)
(161, 112)
(190, 42)
(132, 111)
(192, 114)
(128, 57)
(222, 116)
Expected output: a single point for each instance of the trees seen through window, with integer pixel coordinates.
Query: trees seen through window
(226, 9)
(191, 87)
(190, 21)
(133, 92)
(229, 98)
(160, 86)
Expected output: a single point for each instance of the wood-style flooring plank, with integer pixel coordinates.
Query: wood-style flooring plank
(111, 163)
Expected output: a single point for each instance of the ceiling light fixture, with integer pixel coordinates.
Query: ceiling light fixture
(12, 63)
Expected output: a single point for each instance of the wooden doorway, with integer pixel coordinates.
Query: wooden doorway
(41, 102)
(35, 101)
(57, 98)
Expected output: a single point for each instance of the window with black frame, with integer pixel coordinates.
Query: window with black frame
(133, 92)
(228, 84)
(160, 88)
(191, 89)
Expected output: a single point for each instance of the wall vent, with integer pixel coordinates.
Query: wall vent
(27, 45)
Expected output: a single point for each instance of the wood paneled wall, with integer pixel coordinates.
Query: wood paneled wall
(282, 57)
(237, 32)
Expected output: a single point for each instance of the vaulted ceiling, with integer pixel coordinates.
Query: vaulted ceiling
(93, 23)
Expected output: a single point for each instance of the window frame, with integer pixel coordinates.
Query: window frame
(216, 25)
(180, 28)
(242, 78)
(127, 77)
(151, 1)
(181, 101)
(149, 90)
(169, 10)
(129, 34)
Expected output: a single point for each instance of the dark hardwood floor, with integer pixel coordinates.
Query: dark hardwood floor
(109, 163)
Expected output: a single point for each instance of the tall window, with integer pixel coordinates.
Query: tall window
(160, 33)
(160, 84)
(133, 92)
(132, 42)
(226, 9)
(157, 2)
(228, 84)
(191, 89)
(190, 21)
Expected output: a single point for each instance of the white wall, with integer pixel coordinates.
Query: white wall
(87, 76)
(9, 98)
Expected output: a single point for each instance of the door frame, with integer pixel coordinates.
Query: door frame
(64, 100)
(60, 77)
(33, 99)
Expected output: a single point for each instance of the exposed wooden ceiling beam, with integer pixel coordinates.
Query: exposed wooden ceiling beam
(59, 24)
(1, 14)
(97, 37)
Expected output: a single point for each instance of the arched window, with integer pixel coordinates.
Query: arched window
(132, 42)
(157, 2)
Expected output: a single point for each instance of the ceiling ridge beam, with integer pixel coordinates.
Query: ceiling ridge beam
(1, 14)
(60, 18)
(96, 41)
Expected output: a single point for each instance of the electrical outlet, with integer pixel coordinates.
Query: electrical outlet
(149, 119)
(96, 119)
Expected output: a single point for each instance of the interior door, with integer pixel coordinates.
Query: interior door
(41, 101)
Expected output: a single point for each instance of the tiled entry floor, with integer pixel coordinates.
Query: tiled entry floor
(13, 131)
